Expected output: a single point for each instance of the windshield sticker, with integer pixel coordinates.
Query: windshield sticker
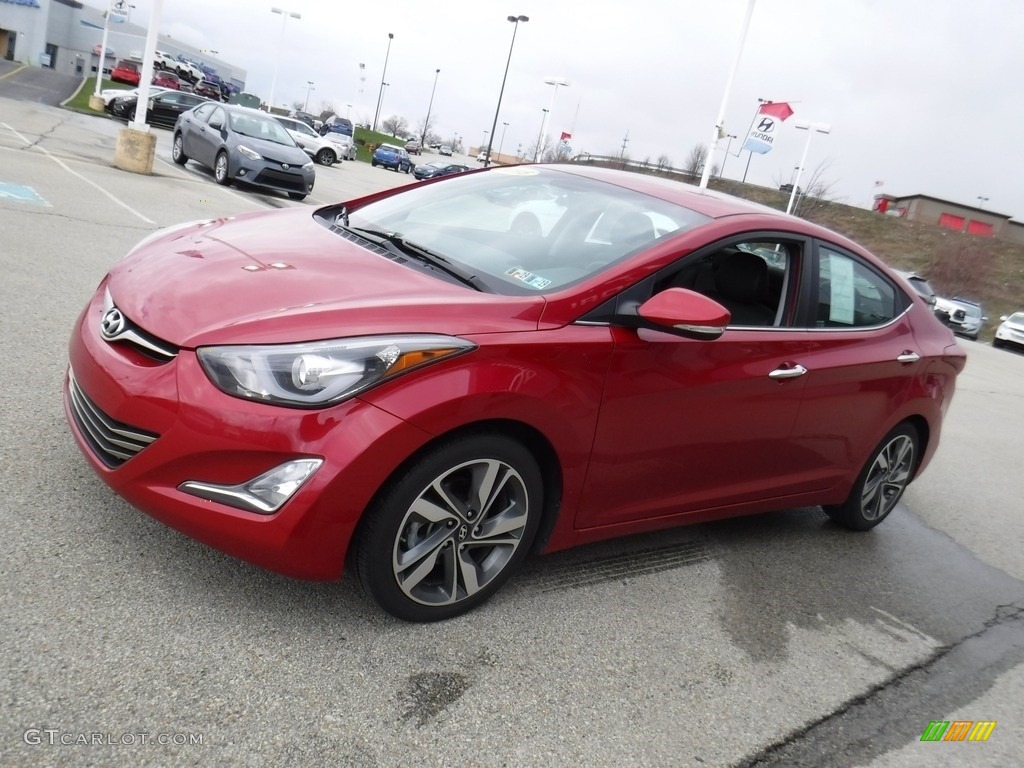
(530, 279)
(516, 170)
(842, 292)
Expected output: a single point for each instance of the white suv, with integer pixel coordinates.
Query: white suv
(317, 147)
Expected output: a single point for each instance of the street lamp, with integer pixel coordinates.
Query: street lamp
(555, 81)
(485, 142)
(502, 142)
(380, 100)
(280, 45)
(309, 87)
(803, 125)
(515, 20)
(383, 74)
(982, 200)
(426, 121)
(540, 133)
(728, 144)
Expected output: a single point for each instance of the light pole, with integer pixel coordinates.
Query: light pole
(502, 142)
(982, 202)
(376, 115)
(810, 128)
(486, 132)
(515, 20)
(380, 100)
(426, 121)
(555, 81)
(728, 144)
(280, 45)
(720, 122)
(540, 133)
(309, 87)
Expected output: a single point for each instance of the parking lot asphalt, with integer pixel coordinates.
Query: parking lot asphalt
(771, 640)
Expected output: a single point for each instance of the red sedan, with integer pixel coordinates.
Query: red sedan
(167, 80)
(411, 384)
(126, 71)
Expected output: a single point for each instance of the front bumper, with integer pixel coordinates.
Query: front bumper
(193, 432)
(271, 175)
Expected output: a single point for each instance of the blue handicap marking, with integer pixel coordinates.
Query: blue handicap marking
(19, 193)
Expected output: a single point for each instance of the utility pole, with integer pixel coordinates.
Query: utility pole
(625, 141)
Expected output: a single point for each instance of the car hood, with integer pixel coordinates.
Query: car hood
(279, 276)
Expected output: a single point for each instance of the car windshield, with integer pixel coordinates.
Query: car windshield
(1016, 317)
(260, 128)
(523, 229)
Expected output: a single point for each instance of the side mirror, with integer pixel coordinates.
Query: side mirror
(685, 313)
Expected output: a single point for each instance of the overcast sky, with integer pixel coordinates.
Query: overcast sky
(923, 95)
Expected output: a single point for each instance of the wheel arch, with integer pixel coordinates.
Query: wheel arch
(536, 442)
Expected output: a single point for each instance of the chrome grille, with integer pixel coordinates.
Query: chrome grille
(112, 442)
(115, 326)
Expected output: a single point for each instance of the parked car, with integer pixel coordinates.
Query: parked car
(126, 71)
(340, 132)
(445, 150)
(305, 117)
(1010, 332)
(241, 144)
(481, 157)
(163, 60)
(188, 71)
(413, 147)
(390, 156)
(438, 168)
(314, 145)
(167, 80)
(163, 109)
(244, 99)
(209, 89)
(920, 285)
(397, 385)
(964, 316)
(110, 94)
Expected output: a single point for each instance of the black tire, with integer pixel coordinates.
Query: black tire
(297, 195)
(882, 482)
(220, 169)
(326, 157)
(373, 163)
(178, 150)
(426, 556)
(997, 343)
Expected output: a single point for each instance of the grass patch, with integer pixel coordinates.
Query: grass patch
(80, 101)
(365, 138)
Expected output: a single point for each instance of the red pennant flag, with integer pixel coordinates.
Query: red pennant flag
(780, 110)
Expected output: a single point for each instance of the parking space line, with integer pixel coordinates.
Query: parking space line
(192, 177)
(62, 164)
(13, 72)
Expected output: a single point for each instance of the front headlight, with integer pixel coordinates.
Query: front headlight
(246, 152)
(321, 373)
(308, 166)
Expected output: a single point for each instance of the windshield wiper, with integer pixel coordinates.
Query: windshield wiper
(405, 247)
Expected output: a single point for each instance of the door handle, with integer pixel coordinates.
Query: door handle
(787, 373)
(908, 357)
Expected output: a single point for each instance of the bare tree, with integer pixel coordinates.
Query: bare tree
(326, 108)
(694, 164)
(960, 268)
(396, 126)
(664, 162)
(817, 192)
(423, 128)
(297, 105)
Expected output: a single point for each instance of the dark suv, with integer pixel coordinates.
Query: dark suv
(209, 89)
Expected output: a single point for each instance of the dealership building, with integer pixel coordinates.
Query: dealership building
(66, 36)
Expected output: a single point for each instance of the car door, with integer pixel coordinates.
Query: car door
(193, 129)
(210, 136)
(689, 425)
(861, 361)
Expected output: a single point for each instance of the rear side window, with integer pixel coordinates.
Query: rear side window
(851, 294)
